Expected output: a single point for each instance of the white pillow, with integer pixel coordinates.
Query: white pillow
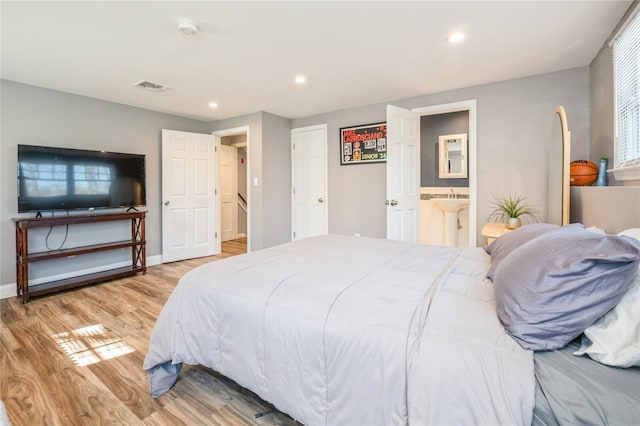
(614, 339)
(631, 232)
(596, 229)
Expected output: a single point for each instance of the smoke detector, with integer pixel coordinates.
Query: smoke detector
(188, 27)
(148, 85)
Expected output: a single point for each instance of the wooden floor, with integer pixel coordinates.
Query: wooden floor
(75, 358)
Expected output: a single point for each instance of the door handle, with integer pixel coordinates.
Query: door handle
(391, 203)
(166, 203)
(321, 200)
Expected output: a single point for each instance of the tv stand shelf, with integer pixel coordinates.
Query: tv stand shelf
(24, 258)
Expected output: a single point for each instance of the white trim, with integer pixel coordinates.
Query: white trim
(154, 260)
(9, 290)
(626, 20)
(230, 132)
(626, 173)
(471, 106)
(621, 170)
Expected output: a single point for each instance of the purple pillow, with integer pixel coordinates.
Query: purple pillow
(552, 288)
(506, 243)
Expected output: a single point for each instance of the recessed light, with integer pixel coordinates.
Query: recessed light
(300, 79)
(456, 38)
(213, 105)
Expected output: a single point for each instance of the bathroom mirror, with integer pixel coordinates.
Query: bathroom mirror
(453, 156)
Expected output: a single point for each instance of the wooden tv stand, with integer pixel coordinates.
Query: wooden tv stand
(24, 258)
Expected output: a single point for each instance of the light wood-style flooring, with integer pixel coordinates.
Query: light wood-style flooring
(75, 358)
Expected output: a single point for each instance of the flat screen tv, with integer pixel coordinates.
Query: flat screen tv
(69, 179)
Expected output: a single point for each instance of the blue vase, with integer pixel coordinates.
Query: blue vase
(602, 173)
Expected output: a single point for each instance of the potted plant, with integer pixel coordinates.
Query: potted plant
(511, 209)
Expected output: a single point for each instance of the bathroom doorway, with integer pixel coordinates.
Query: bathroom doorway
(438, 120)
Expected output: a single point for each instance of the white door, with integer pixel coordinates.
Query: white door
(309, 181)
(228, 192)
(403, 175)
(188, 195)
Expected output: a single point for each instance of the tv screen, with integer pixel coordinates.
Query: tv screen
(68, 179)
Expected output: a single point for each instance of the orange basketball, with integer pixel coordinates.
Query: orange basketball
(582, 173)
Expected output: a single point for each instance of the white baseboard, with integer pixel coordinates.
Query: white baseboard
(154, 260)
(9, 290)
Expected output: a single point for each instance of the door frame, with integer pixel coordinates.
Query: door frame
(234, 182)
(230, 132)
(470, 106)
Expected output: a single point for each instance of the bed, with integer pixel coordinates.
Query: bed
(337, 330)
(573, 390)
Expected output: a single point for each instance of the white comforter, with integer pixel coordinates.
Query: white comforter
(337, 330)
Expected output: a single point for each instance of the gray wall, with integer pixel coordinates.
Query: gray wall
(276, 175)
(602, 110)
(36, 116)
(356, 192)
(269, 160)
(431, 128)
(591, 205)
(515, 129)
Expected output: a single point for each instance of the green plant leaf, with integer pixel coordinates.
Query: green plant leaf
(512, 206)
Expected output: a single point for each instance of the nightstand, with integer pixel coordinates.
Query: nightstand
(494, 230)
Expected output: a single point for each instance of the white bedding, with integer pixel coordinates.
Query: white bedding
(338, 330)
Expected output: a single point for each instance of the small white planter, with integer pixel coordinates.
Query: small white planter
(514, 222)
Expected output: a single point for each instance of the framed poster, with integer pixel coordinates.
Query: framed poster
(363, 144)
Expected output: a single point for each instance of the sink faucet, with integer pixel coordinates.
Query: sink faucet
(451, 193)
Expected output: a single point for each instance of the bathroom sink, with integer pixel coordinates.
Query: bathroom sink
(451, 205)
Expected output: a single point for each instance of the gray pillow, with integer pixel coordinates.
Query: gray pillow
(551, 289)
(506, 243)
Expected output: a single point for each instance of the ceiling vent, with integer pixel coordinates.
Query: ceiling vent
(154, 87)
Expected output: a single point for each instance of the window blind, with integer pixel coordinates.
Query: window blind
(626, 75)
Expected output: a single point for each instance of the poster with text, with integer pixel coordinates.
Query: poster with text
(363, 144)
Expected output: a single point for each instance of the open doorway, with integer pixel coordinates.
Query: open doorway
(233, 148)
(467, 187)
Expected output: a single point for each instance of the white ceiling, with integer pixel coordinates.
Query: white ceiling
(247, 53)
